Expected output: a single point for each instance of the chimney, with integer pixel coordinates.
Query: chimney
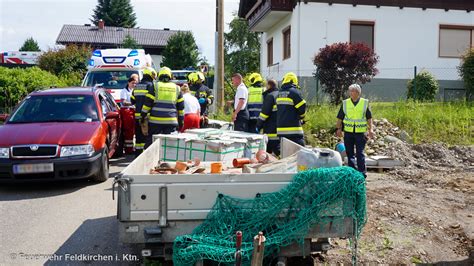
(101, 24)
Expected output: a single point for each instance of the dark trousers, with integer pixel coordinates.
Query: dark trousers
(241, 122)
(252, 126)
(357, 141)
(154, 129)
(296, 139)
(273, 146)
(139, 138)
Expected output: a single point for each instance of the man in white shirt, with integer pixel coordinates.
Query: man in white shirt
(240, 117)
(192, 109)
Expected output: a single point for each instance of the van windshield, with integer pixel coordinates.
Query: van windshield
(56, 108)
(109, 79)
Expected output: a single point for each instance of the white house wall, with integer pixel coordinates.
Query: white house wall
(403, 38)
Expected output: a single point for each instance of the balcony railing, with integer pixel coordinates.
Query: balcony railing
(266, 6)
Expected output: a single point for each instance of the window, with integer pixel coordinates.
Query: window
(455, 40)
(270, 52)
(287, 43)
(362, 32)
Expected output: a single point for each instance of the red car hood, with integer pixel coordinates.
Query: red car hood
(71, 133)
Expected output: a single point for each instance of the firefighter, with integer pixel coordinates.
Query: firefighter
(165, 105)
(202, 93)
(255, 100)
(291, 109)
(267, 119)
(138, 99)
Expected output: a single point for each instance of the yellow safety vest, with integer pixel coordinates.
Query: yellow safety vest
(355, 115)
(255, 95)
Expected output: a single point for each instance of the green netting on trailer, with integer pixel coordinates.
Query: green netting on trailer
(318, 198)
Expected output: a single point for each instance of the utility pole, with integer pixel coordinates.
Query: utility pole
(219, 73)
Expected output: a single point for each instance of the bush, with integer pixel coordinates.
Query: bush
(16, 83)
(63, 62)
(466, 70)
(342, 64)
(423, 87)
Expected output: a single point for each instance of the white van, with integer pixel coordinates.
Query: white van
(111, 68)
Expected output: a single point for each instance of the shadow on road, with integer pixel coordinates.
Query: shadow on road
(95, 237)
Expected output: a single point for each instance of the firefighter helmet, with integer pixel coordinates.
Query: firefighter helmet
(290, 77)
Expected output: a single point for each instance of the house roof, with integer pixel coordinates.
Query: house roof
(147, 38)
(246, 5)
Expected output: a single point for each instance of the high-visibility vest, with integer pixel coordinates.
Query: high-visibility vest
(354, 119)
(164, 108)
(255, 101)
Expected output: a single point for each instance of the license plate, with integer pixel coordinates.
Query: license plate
(33, 168)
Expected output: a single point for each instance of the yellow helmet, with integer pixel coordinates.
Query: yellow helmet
(290, 77)
(254, 78)
(192, 77)
(200, 76)
(165, 71)
(149, 71)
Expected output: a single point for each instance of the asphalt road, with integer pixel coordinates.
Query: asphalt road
(68, 222)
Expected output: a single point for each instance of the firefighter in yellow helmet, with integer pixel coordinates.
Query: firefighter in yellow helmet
(165, 105)
(202, 93)
(255, 100)
(291, 110)
(138, 99)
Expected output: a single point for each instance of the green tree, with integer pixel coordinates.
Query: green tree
(466, 69)
(181, 51)
(69, 62)
(30, 45)
(130, 42)
(242, 48)
(118, 13)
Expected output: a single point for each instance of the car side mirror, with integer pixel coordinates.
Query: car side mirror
(3, 117)
(112, 115)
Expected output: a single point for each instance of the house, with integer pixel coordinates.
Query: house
(429, 34)
(106, 37)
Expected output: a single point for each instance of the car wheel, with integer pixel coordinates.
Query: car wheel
(103, 173)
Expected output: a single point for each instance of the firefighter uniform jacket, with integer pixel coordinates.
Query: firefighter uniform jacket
(202, 91)
(255, 100)
(165, 104)
(268, 116)
(291, 109)
(139, 94)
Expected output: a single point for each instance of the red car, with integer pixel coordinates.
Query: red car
(59, 134)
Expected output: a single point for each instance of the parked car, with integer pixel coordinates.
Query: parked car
(59, 134)
(180, 76)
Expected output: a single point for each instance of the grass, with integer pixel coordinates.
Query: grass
(451, 123)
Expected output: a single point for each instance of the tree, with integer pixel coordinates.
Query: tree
(242, 48)
(129, 42)
(466, 70)
(342, 64)
(181, 51)
(68, 62)
(423, 87)
(118, 13)
(30, 45)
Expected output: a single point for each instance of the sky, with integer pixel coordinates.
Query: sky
(43, 19)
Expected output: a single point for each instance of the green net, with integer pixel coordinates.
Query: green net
(316, 199)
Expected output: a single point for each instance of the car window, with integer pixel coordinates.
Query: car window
(56, 108)
(110, 100)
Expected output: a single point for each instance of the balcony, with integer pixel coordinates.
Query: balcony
(266, 13)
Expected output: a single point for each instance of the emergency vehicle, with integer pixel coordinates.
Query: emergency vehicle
(20, 58)
(111, 69)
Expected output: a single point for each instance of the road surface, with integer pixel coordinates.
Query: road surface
(71, 223)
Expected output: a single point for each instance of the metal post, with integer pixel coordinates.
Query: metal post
(238, 246)
(317, 86)
(414, 84)
(258, 250)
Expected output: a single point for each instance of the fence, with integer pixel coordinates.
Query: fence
(389, 85)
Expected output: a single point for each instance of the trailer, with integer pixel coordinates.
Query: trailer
(153, 210)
